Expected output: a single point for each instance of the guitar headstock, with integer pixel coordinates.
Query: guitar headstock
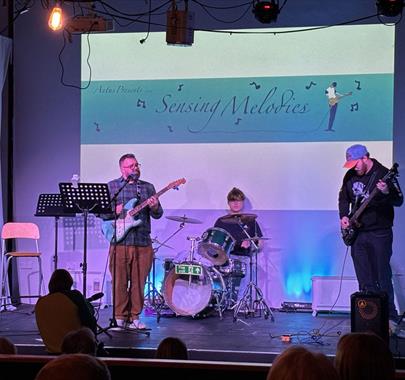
(393, 172)
(177, 183)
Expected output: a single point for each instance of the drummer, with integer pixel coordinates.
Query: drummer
(243, 246)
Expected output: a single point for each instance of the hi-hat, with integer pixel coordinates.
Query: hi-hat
(238, 218)
(184, 219)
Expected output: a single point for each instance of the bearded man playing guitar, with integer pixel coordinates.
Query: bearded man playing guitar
(367, 199)
(133, 254)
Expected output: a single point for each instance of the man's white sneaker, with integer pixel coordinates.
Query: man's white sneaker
(136, 324)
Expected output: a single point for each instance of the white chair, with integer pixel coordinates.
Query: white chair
(17, 231)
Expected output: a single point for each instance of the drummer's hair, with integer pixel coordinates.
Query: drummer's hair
(125, 156)
(236, 195)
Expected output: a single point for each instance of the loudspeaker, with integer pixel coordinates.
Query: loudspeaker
(369, 313)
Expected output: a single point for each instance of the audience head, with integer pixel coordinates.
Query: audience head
(298, 363)
(172, 348)
(80, 366)
(364, 356)
(60, 281)
(82, 341)
(7, 347)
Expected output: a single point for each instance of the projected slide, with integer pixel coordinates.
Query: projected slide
(270, 114)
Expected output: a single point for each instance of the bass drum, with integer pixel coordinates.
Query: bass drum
(195, 295)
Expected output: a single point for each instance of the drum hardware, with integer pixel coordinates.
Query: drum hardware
(156, 241)
(216, 244)
(258, 238)
(247, 304)
(193, 240)
(184, 219)
(155, 298)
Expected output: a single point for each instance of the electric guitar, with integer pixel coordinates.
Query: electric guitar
(349, 234)
(129, 221)
(333, 101)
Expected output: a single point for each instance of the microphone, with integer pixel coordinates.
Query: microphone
(133, 176)
(75, 181)
(95, 297)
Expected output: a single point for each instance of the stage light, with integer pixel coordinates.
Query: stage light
(55, 21)
(180, 26)
(390, 8)
(266, 11)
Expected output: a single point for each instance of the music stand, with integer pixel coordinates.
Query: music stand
(85, 198)
(52, 205)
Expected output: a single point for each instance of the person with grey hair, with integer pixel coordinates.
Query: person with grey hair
(68, 367)
(82, 341)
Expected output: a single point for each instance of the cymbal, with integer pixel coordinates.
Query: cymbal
(184, 219)
(238, 218)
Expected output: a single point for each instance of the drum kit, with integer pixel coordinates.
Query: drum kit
(202, 282)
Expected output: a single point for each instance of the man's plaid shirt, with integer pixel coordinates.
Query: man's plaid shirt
(140, 190)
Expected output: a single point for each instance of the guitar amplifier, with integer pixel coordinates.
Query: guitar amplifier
(325, 293)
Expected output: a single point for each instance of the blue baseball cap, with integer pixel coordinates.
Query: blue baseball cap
(353, 154)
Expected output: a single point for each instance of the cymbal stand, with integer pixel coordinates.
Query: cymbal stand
(247, 304)
(193, 241)
(155, 298)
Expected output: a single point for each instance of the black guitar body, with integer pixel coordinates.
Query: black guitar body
(349, 235)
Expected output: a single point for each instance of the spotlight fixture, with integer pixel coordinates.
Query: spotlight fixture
(390, 8)
(55, 21)
(180, 26)
(266, 11)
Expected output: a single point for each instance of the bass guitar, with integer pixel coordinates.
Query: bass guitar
(349, 234)
(129, 220)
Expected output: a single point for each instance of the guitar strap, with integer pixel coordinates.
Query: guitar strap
(369, 182)
(357, 201)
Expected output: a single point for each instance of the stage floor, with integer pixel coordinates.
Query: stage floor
(252, 339)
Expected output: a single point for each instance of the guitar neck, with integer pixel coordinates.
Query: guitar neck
(141, 206)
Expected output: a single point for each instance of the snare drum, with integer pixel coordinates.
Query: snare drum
(190, 289)
(215, 245)
(234, 268)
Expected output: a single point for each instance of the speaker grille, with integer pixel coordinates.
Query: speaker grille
(369, 313)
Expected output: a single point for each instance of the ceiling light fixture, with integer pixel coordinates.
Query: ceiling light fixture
(266, 11)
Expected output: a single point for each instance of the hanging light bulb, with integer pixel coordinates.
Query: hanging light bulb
(55, 19)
